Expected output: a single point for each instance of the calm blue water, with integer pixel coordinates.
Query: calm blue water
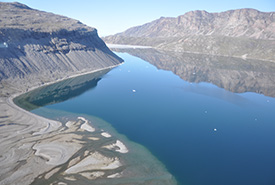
(176, 120)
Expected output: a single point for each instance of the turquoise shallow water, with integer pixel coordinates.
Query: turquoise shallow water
(203, 134)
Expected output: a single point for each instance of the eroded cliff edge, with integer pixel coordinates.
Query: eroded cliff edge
(38, 47)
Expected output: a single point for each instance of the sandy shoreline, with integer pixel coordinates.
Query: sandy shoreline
(36, 150)
(23, 136)
(51, 124)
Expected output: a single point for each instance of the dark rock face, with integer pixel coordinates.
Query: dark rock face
(43, 47)
(242, 33)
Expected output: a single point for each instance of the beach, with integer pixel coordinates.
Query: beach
(32, 145)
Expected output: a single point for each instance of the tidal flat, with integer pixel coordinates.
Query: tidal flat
(67, 148)
(211, 121)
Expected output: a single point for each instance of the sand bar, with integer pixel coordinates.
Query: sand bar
(106, 134)
(86, 126)
(94, 161)
(117, 146)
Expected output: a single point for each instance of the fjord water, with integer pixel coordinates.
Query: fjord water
(203, 134)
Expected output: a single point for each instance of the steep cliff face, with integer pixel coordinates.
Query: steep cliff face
(242, 33)
(39, 47)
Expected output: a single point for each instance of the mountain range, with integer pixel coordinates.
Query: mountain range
(246, 33)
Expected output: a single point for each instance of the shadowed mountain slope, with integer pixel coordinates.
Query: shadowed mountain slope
(38, 47)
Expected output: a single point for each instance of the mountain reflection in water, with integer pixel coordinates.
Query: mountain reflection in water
(60, 91)
(233, 74)
(200, 139)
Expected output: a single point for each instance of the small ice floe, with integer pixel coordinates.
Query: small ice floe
(3, 45)
(215, 130)
(134, 90)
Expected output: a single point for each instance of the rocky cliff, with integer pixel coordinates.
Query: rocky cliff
(38, 47)
(241, 33)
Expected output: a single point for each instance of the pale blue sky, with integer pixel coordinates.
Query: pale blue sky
(113, 16)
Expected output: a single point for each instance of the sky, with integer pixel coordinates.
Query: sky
(114, 16)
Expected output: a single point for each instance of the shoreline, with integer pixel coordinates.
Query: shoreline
(46, 144)
(22, 131)
(55, 124)
(72, 76)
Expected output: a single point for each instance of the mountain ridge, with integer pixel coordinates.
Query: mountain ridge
(196, 22)
(246, 33)
(20, 16)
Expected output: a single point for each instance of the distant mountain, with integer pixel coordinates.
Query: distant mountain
(242, 33)
(38, 47)
(247, 23)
